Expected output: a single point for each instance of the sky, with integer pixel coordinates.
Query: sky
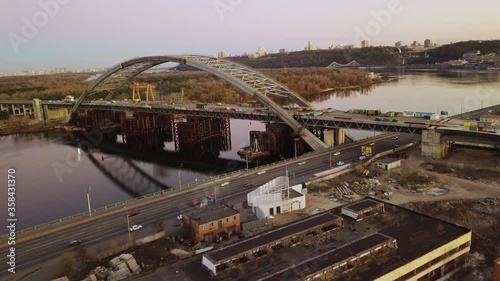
(47, 34)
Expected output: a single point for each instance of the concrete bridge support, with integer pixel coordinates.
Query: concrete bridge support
(37, 110)
(433, 146)
(334, 137)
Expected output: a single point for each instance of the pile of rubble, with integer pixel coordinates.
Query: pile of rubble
(371, 187)
(122, 267)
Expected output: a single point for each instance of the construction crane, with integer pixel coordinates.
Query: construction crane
(136, 93)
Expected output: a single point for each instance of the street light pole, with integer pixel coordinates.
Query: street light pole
(246, 158)
(330, 159)
(179, 175)
(88, 201)
(295, 147)
(128, 223)
(286, 166)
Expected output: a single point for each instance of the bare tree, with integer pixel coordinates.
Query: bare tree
(158, 225)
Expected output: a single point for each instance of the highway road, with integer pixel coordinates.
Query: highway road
(114, 227)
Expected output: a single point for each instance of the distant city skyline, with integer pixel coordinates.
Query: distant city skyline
(48, 34)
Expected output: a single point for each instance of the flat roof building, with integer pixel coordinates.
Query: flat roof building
(388, 163)
(211, 223)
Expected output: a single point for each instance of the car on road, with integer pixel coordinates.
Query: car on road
(135, 227)
(74, 243)
(337, 153)
(490, 111)
(301, 163)
(340, 163)
(394, 138)
(261, 172)
(134, 213)
(396, 145)
(224, 184)
(327, 161)
(179, 217)
(247, 184)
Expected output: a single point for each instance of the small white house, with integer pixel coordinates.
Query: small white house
(388, 163)
(276, 197)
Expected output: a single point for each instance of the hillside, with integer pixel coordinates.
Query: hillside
(321, 58)
(456, 50)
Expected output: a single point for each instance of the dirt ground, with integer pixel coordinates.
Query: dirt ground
(466, 197)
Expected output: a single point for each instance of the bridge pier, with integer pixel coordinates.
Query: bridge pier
(334, 137)
(433, 146)
(38, 110)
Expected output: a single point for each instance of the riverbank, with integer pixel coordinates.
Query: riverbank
(7, 128)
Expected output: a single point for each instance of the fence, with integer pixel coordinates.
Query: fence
(252, 225)
(199, 185)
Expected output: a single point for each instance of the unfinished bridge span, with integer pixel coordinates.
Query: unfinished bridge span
(250, 81)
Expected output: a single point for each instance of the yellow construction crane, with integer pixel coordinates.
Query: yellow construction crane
(136, 94)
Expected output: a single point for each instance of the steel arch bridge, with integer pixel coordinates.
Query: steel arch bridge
(251, 82)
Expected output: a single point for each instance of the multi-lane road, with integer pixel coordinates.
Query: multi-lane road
(114, 226)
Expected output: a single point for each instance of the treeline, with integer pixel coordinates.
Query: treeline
(197, 85)
(50, 87)
(380, 56)
(203, 87)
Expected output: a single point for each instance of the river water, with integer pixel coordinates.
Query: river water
(53, 175)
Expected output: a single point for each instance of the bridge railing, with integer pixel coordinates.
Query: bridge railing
(225, 176)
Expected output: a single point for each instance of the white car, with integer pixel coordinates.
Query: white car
(301, 163)
(224, 184)
(340, 163)
(179, 217)
(337, 153)
(135, 227)
(261, 172)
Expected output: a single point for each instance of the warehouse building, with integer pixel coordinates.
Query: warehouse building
(374, 240)
(212, 223)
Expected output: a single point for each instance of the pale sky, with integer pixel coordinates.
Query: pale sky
(44, 34)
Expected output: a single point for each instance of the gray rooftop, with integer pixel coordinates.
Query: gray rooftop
(211, 213)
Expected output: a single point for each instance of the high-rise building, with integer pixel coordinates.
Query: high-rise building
(427, 43)
(309, 46)
(282, 51)
(261, 51)
(221, 54)
(365, 44)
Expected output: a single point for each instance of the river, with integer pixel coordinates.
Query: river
(53, 176)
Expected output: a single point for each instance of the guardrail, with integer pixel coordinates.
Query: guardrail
(173, 190)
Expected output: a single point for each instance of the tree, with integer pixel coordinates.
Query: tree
(158, 225)
(68, 264)
(4, 115)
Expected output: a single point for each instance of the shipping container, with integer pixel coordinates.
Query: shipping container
(373, 112)
(315, 113)
(426, 115)
(408, 113)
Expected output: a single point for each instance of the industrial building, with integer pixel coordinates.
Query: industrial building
(365, 240)
(212, 223)
(270, 242)
(276, 197)
(388, 163)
